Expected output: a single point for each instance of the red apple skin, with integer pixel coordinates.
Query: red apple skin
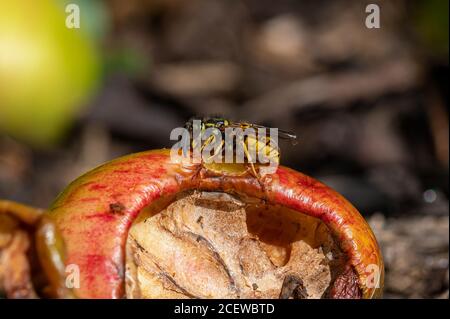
(95, 212)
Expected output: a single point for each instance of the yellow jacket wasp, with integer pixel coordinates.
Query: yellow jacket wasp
(243, 145)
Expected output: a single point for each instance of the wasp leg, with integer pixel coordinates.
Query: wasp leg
(217, 150)
(197, 172)
(208, 140)
(254, 173)
(253, 170)
(199, 167)
(250, 161)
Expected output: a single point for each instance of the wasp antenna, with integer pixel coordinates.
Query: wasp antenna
(287, 135)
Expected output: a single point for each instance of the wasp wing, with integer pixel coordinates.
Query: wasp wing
(281, 133)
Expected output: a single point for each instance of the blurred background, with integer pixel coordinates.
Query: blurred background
(369, 106)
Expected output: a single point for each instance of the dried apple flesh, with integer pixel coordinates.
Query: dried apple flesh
(217, 245)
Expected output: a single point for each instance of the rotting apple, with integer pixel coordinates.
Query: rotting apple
(142, 226)
(31, 254)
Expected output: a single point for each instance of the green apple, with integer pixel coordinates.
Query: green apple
(47, 71)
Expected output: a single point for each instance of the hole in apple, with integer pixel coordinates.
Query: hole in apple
(218, 245)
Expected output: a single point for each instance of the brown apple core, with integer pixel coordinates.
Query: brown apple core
(217, 245)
